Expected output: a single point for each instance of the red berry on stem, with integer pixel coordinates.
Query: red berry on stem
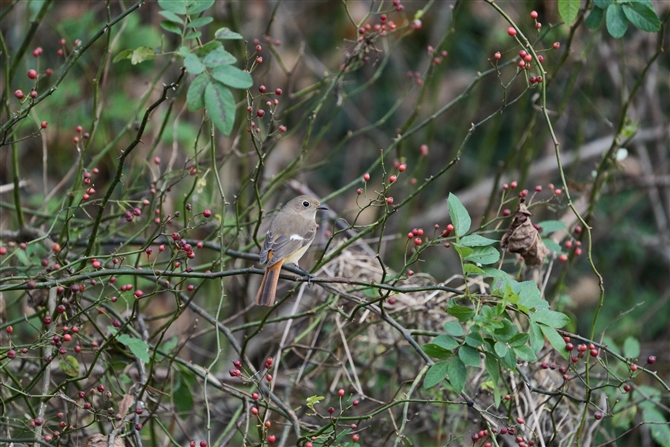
(497, 55)
(366, 177)
(533, 14)
(32, 74)
(511, 31)
(651, 360)
(19, 94)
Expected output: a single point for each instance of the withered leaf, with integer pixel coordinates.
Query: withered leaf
(99, 440)
(523, 238)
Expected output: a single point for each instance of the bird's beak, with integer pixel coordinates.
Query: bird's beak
(322, 207)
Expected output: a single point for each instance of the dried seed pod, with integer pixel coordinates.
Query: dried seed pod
(523, 238)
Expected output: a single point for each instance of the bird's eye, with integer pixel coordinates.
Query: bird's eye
(305, 203)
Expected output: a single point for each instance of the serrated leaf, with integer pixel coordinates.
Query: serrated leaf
(435, 374)
(525, 353)
(603, 4)
(642, 17)
(226, 34)
(631, 347)
(568, 9)
(142, 54)
(457, 374)
(220, 105)
(125, 54)
(550, 318)
(198, 6)
(454, 328)
(594, 19)
(460, 217)
(475, 240)
(171, 16)
(193, 35)
(500, 349)
(469, 356)
(69, 365)
(176, 6)
(483, 255)
(461, 312)
(217, 57)
(616, 21)
(200, 21)
(555, 340)
(195, 97)
(549, 226)
(436, 351)
(137, 347)
(446, 342)
(171, 27)
(232, 76)
(193, 64)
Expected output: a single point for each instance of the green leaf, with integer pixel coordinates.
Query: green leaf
(494, 372)
(549, 226)
(500, 349)
(446, 342)
(483, 255)
(454, 328)
(473, 338)
(510, 359)
(631, 348)
(525, 353)
(226, 34)
(475, 240)
(471, 268)
(462, 250)
(200, 21)
(603, 4)
(69, 365)
(461, 312)
(193, 64)
(171, 27)
(507, 331)
(232, 76)
(500, 279)
(207, 48)
(195, 98)
(220, 105)
(457, 374)
(536, 338)
(594, 19)
(519, 339)
(460, 217)
(172, 17)
(313, 400)
(568, 9)
(218, 57)
(469, 356)
(436, 351)
(555, 339)
(657, 424)
(551, 245)
(142, 54)
(139, 348)
(125, 54)
(550, 318)
(616, 21)
(176, 6)
(436, 374)
(529, 295)
(642, 17)
(193, 35)
(198, 6)
(183, 399)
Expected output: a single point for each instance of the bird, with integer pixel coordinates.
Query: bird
(291, 232)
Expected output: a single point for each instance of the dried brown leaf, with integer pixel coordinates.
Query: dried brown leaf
(523, 238)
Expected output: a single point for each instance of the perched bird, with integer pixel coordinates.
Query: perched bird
(291, 232)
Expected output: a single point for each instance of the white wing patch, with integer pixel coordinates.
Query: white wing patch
(297, 237)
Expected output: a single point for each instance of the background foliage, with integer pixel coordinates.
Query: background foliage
(137, 184)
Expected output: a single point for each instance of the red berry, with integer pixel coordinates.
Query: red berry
(506, 212)
(331, 410)
(269, 377)
(578, 251)
(355, 403)
(533, 15)
(340, 392)
(272, 439)
(418, 241)
(633, 367)
(402, 168)
(392, 179)
(282, 129)
(11, 354)
(260, 113)
(278, 92)
(19, 94)
(207, 213)
(254, 410)
(497, 55)
(593, 353)
(366, 177)
(569, 346)
(139, 294)
(626, 388)
(355, 438)
(651, 360)
(508, 397)
(32, 74)
(598, 415)
(262, 88)
(511, 31)
(556, 45)
(563, 258)
(424, 150)
(520, 420)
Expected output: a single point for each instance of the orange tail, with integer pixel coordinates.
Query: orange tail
(266, 293)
